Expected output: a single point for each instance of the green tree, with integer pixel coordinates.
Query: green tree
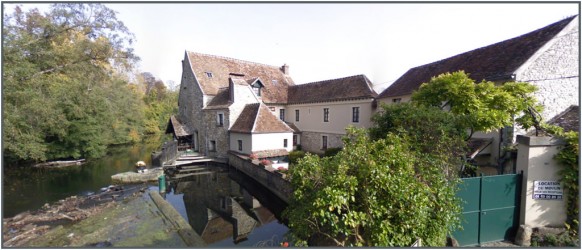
(65, 94)
(372, 193)
(160, 103)
(435, 132)
(485, 106)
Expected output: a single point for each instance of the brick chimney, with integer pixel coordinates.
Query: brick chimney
(285, 69)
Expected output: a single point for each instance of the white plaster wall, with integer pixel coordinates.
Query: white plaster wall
(242, 95)
(537, 163)
(271, 141)
(246, 142)
(340, 116)
(277, 110)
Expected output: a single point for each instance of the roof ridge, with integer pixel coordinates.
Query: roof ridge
(256, 115)
(500, 42)
(233, 59)
(328, 80)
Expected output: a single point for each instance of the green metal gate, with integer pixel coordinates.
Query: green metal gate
(490, 209)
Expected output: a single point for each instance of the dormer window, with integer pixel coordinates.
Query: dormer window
(209, 74)
(257, 87)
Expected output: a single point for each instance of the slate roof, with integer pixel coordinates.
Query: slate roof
(569, 119)
(351, 87)
(222, 67)
(494, 62)
(176, 127)
(256, 118)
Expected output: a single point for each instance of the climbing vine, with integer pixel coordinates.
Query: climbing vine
(569, 157)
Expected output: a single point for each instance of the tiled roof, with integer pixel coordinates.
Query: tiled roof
(569, 119)
(256, 118)
(275, 81)
(352, 87)
(270, 153)
(294, 127)
(221, 100)
(176, 127)
(494, 62)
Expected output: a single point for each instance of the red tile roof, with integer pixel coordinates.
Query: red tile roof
(494, 62)
(221, 68)
(351, 87)
(256, 118)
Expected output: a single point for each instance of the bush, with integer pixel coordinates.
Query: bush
(331, 152)
(265, 162)
(294, 156)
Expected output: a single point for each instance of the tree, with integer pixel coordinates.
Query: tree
(434, 131)
(484, 106)
(160, 103)
(372, 193)
(63, 83)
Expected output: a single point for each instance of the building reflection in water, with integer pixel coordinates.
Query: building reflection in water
(219, 208)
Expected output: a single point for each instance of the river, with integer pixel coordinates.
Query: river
(227, 208)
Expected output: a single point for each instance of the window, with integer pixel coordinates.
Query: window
(272, 109)
(285, 143)
(239, 145)
(297, 115)
(396, 100)
(324, 142)
(212, 146)
(355, 114)
(325, 114)
(209, 74)
(295, 137)
(220, 119)
(257, 87)
(282, 114)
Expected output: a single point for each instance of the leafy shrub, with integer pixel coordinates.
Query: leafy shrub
(295, 155)
(331, 152)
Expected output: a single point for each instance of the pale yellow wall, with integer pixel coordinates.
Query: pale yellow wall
(537, 163)
(277, 110)
(340, 116)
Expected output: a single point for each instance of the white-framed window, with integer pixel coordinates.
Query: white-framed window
(220, 119)
(325, 114)
(355, 114)
(297, 115)
(396, 100)
(257, 86)
(324, 142)
(282, 114)
(239, 145)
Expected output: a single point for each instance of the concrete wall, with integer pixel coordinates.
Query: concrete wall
(535, 159)
(273, 181)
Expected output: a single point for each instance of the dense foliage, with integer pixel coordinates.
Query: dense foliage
(372, 193)
(434, 131)
(161, 103)
(65, 83)
(483, 106)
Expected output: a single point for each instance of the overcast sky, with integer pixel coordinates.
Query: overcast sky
(326, 41)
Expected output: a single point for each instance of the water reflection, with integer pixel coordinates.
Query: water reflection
(227, 208)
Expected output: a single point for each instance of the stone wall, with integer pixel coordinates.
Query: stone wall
(555, 71)
(311, 141)
(273, 181)
(191, 101)
(216, 133)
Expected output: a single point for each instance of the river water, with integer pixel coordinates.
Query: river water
(227, 208)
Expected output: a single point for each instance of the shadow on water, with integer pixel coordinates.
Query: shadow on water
(27, 188)
(227, 208)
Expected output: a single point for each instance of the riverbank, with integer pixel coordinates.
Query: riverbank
(131, 218)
